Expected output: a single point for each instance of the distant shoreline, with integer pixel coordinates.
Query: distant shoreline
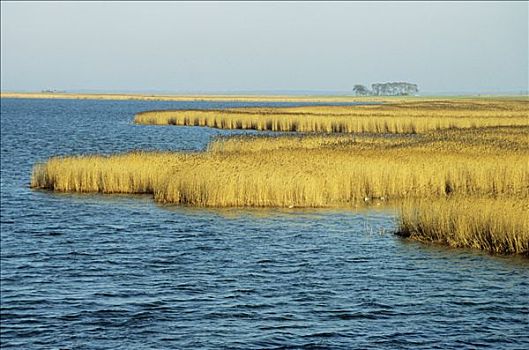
(226, 97)
(205, 97)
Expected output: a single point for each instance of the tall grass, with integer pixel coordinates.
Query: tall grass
(135, 172)
(397, 116)
(497, 225)
(318, 171)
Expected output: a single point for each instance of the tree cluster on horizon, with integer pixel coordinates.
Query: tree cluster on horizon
(387, 89)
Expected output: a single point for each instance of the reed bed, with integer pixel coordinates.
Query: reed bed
(463, 186)
(396, 116)
(315, 171)
(497, 225)
(134, 172)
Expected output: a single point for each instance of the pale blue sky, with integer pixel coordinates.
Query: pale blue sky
(235, 46)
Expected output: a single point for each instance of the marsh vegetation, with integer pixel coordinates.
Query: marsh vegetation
(396, 115)
(457, 169)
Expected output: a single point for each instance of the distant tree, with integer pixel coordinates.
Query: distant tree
(394, 89)
(361, 90)
(411, 89)
(377, 89)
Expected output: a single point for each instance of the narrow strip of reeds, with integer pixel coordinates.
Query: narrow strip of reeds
(191, 97)
(404, 117)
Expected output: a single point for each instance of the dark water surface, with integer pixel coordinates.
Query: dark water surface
(121, 272)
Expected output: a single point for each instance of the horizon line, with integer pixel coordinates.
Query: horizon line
(278, 92)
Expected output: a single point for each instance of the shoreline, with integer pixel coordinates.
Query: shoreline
(240, 97)
(193, 97)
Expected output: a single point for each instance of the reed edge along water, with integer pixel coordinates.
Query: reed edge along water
(495, 224)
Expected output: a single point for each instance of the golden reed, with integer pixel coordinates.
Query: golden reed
(498, 225)
(315, 171)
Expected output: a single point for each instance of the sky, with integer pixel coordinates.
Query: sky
(184, 47)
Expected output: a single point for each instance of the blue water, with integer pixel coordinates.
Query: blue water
(121, 272)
